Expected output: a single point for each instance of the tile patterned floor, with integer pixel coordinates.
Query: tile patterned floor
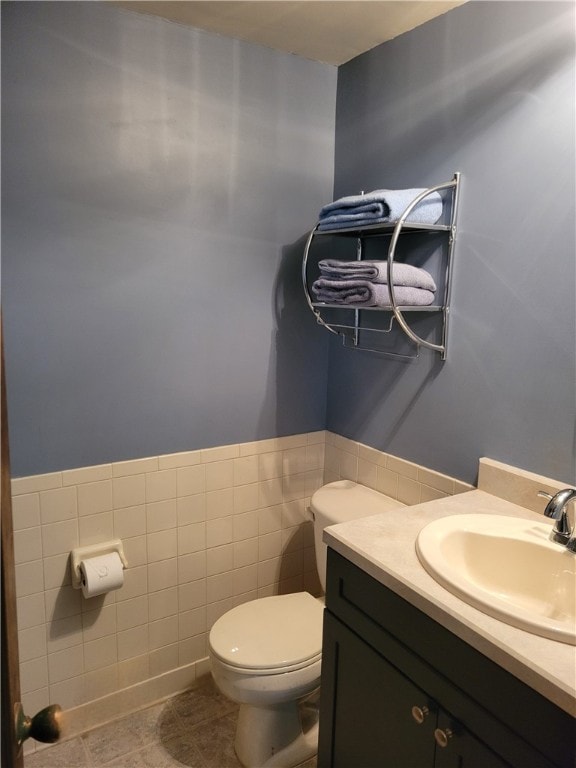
(192, 730)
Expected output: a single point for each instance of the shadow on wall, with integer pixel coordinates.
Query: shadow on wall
(296, 390)
(303, 355)
(476, 97)
(300, 538)
(297, 372)
(385, 400)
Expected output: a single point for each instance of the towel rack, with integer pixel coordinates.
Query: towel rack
(354, 330)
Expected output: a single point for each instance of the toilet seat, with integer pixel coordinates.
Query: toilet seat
(272, 635)
(270, 671)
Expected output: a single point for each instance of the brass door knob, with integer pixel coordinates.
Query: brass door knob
(443, 736)
(44, 726)
(420, 714)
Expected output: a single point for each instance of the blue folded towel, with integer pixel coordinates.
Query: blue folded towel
(377, 272)
(381, 206)
(368, 294)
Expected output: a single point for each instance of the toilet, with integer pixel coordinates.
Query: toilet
(266, 654)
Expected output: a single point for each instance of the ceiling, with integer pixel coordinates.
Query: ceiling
(331, 31)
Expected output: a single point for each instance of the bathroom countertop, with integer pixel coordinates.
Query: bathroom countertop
(383, 546)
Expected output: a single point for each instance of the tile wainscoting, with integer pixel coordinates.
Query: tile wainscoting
(203, 531)
(403, 480)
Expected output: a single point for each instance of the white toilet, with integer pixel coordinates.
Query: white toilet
(266, 654)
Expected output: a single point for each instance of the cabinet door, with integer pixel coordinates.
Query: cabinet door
(366, 718)
(456, 747)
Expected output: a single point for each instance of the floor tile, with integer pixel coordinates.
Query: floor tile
(69, 754)
(201, 704)
(159, 756)
(157, 723)
(195, 729)
(215, 741)
(184, 751)
(311, 763)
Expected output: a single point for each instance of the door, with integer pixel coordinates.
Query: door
(11, 753)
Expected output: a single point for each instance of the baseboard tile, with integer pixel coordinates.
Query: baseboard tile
(115, 705)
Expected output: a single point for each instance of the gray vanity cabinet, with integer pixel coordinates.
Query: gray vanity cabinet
(400, 691)
(373, 699)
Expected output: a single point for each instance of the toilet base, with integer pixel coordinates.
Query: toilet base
(273, 737)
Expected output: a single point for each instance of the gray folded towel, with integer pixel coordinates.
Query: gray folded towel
(381, 206)
(377, 272)
(368, 294)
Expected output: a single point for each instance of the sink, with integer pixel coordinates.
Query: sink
(505, 567)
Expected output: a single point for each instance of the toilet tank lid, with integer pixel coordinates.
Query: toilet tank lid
(346, 500)
(271, 632)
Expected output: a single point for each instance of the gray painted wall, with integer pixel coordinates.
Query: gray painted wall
(157, 183)
(487, 89)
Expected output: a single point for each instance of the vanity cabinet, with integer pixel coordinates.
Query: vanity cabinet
(400, 691)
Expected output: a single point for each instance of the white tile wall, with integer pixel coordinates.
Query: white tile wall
(203, 531)
(403, 480)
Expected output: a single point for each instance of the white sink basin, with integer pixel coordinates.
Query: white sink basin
(507, 568)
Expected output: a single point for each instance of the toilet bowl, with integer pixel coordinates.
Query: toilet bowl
(266, 654)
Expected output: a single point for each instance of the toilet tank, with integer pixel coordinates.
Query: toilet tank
(340, 502)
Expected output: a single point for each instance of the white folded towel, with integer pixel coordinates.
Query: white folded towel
(368, 294)
(377, 272)
(379, 207)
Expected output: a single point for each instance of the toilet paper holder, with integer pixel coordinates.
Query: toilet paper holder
(94, 550)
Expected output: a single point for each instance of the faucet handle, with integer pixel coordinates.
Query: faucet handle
(557, 509)
(556, 506)
(553, 509)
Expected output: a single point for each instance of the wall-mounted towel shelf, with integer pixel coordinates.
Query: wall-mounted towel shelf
(356, 323)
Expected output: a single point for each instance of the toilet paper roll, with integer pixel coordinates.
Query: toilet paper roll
(101, 574)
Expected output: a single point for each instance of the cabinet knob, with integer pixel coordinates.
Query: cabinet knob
(443, 736)
(420, 714)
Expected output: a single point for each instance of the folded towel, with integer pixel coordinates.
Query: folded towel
(381, 206)
(368, 294)
(377, 272)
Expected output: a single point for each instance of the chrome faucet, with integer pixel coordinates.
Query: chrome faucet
(557, 508)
